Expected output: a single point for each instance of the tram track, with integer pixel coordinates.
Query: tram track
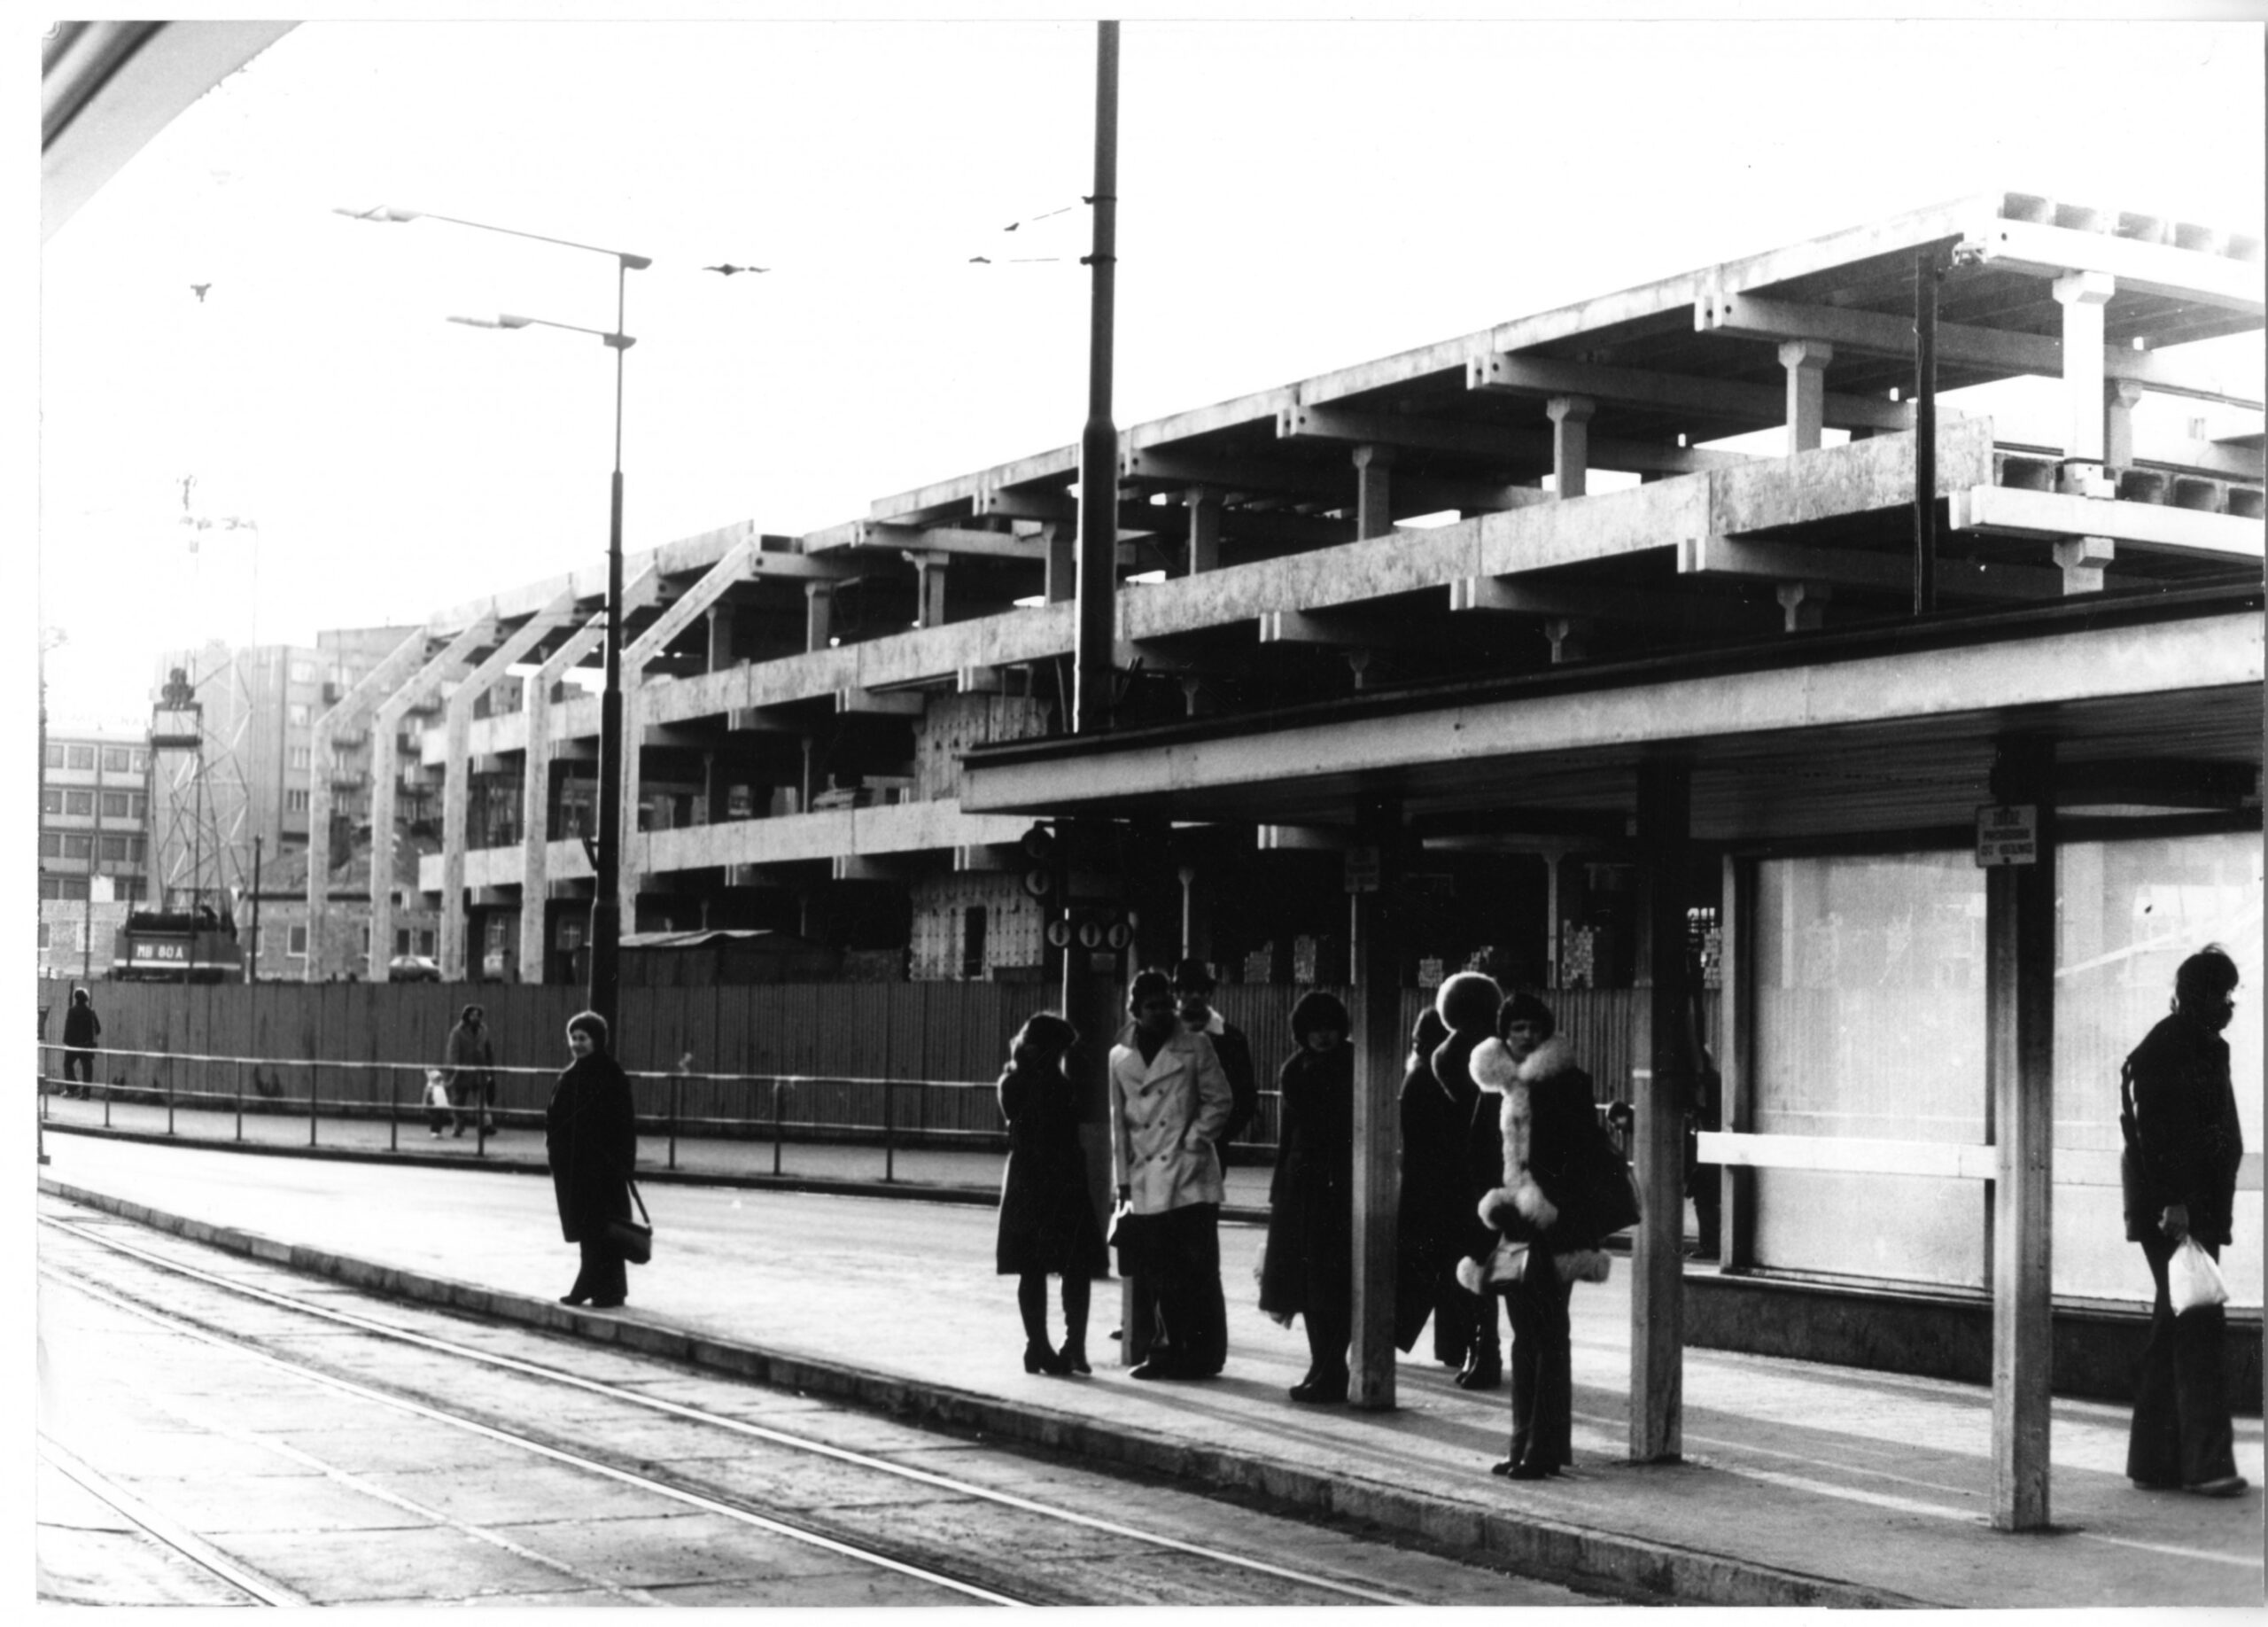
(1259, 1579)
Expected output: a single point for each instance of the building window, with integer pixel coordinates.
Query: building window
(114, 849)
(81, 803)
(50, 886)
(79, 757)
(140, 762)
(295, 941)
(303, 671)
(76, 847)
(42, 935)
(51, 802)
(54, 757)
(71, 887)
(50, 846)
(425, 939)
(972, 941)
(297, 757)
(570, 933)
(136, 849)
(365, 939)
(298, 714)
(114, 805)
(137, 805)
(401, 940)
(116, 759)
(295, 801)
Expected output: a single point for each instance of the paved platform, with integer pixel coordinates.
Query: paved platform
(1801, 1483)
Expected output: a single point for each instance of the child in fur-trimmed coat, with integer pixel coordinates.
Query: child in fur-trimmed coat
(1564, 1189)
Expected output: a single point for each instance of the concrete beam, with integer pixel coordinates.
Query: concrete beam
(2159, 269)
(875, 703)
(1808, 562)
(2082, 560)
(1523, 596)
(1338, 628)
(1872, 333)
(1512, 444)
(2157, 527)
(1707, 398)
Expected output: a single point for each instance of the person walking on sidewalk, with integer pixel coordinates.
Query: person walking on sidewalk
(1565, 1189)
(83, 1036)
(1169, 1099)
(590, 1139)
(1307, 1270)
(1047, 1216)
(1468, 1003)
(472, 1059)
(2183, 1147)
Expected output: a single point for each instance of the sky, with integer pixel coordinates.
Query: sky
(1295, 195)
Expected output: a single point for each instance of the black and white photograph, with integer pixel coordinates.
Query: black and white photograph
(1297, 811)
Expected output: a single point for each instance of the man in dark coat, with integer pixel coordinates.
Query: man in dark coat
(82, 1033)
(590, 1139)
(2183, 1147)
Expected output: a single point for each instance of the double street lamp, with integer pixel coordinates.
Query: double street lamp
(606, 910)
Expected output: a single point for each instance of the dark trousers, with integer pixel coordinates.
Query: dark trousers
(1330, 1321)
(1455, 1314)
(603, 1275)
(1190, 1322)
(1032, 1304)
(2181, 1434)
(1542, 1379)
(78, 1065)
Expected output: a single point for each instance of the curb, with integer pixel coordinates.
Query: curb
(1661, 1572)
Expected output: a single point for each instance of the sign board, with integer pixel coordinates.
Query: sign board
(1430, 972)
(2007, 835)
(158, 952)
(1362, 869)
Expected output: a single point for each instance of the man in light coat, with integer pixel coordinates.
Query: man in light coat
(1169, 1100)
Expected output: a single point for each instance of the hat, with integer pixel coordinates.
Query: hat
(1192, 975)
(1317, 1009)
(1468, 1002)
(589, 1023)
(1526, 1007)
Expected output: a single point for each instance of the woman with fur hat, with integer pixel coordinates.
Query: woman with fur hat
(1468, 1003)
(1564, 1189)
(1309, 1267)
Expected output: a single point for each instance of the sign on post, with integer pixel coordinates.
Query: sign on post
(2007, 835)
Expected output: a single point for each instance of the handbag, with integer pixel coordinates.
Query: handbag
(632, 1241)
(1136, 1239)
(1505, 1269)
(2193, 1282)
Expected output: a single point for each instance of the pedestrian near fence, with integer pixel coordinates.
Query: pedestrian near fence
(1307, 1268)
(2183, 1147)
(83, 1036)
(472, 1078)
(590, 1140)
(1047, 1217)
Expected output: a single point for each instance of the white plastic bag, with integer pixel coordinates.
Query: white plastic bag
(2192, 1279)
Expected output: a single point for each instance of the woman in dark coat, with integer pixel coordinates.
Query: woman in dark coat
(1048, 1210)
(1468, 1003)
(1309, 1267)
(590, 1138)
(1431, 1215)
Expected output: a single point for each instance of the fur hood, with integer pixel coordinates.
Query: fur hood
(1494, 1070)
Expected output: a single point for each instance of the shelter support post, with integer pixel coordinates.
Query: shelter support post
(2020, 1055)
(1377, 1039)
(1658, 1258)
(1736, 1061)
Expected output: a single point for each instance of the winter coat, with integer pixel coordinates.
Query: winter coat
(1473, 1114)
(2187, 1142)
(590, 1138)
(1310, 1252)
(1432, 1212)
(469, 1053)
(81, 1028)
(1048, 1213)
(1165, 1115)
(1563, 1182)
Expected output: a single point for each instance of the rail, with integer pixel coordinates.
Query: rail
(830, 1108)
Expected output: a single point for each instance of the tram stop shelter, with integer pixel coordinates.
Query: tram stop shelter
(1966, 776)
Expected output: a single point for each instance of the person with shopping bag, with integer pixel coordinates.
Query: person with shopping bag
(2177, 1112)
(591, 1143)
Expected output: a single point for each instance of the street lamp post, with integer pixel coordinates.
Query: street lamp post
(606, 909)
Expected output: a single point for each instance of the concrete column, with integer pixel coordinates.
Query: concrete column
(2083, 559)
(1200, 695)
(819, 614)
(1806, 361)
(720, 636)
(1805, 605)
(629, 873)
(1657, 1256)
(929, 586)
(2020, 1082)
(2118, 398)
(535, 827)
(386, 771)
(1373, 491)
(2083, 294)
(1570, 637)
(1062, 561)
(1570, 443)
(1204, 508)
(1380, 1043)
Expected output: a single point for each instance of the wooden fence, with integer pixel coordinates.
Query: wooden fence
(837, 1040)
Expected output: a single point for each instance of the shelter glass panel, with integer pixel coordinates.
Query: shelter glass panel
(2132, 911)
(1871, 1025)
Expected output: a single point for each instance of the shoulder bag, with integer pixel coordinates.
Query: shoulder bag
(631, 1238)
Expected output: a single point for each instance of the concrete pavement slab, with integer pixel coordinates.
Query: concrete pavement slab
(1802, 1483)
